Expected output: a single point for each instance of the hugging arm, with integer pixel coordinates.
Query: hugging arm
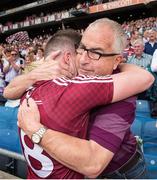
(73, 152)
(50, 69)
(76, 153)
(131, 81)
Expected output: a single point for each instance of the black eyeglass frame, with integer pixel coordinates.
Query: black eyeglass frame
(98, 53)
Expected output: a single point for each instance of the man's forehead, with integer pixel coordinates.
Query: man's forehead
(96, 41)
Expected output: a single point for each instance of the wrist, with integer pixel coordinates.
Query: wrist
(30, 130)
(37, 136)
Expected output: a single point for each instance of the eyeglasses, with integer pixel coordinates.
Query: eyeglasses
(14, 54)
(92, 54)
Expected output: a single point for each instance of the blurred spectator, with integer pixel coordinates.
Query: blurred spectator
(2, 81)
(146, 36)
(140, 58)
(39, 54)
(134, 36)
(144, 60)
(151, 45)
(30, 63)
(128, 51)
(152, 91)
(12, 66)
(154, 62)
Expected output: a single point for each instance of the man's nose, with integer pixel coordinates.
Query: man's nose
(84, 59)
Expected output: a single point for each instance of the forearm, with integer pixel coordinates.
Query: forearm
(83, 156)
(86, 157)
(18, 86)
(128, 67)
(16, 67)
(139, 75)
(131, 81)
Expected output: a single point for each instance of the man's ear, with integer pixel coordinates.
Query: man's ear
(117, 61)
(67, 58)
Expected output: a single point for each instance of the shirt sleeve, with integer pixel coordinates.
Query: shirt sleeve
(110, 124)
(91, 93)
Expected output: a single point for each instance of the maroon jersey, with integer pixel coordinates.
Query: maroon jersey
(64, 106)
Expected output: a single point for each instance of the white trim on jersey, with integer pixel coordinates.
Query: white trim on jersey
(83, 79)
(39, 102)
(59, 83)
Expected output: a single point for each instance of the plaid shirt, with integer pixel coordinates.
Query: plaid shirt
(143, 62)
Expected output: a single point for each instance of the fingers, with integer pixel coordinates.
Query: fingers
(19, 115)
(32, 104)
(20, 112)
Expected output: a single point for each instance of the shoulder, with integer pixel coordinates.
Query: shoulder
(83, 79)
(147, 55)
(91, 79)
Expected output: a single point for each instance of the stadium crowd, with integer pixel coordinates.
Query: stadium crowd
(49, 16)
(21, 54)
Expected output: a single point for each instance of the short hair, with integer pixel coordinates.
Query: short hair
(120, 38)
(139, 41)
(67, 39)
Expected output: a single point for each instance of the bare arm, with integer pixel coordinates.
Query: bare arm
(15, 66)
(48, 70)
(18, 86)
(132, 80)
(73, 152)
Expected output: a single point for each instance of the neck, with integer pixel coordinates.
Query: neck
(138, 56)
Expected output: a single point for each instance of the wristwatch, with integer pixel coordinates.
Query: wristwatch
(37, 136)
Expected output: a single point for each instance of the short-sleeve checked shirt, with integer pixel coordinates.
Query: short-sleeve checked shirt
(64, 106)
(143, 62)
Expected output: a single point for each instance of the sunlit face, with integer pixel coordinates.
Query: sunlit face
(99, 39)
(14, 54)
(40, 53)
(27, 59)
(136, 35)
(138, 49)
(152, 35)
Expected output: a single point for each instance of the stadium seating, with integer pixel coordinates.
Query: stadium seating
(146, 128)
(9, 139)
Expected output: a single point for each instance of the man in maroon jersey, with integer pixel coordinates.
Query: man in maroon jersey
(92, 53)
(64, 105)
